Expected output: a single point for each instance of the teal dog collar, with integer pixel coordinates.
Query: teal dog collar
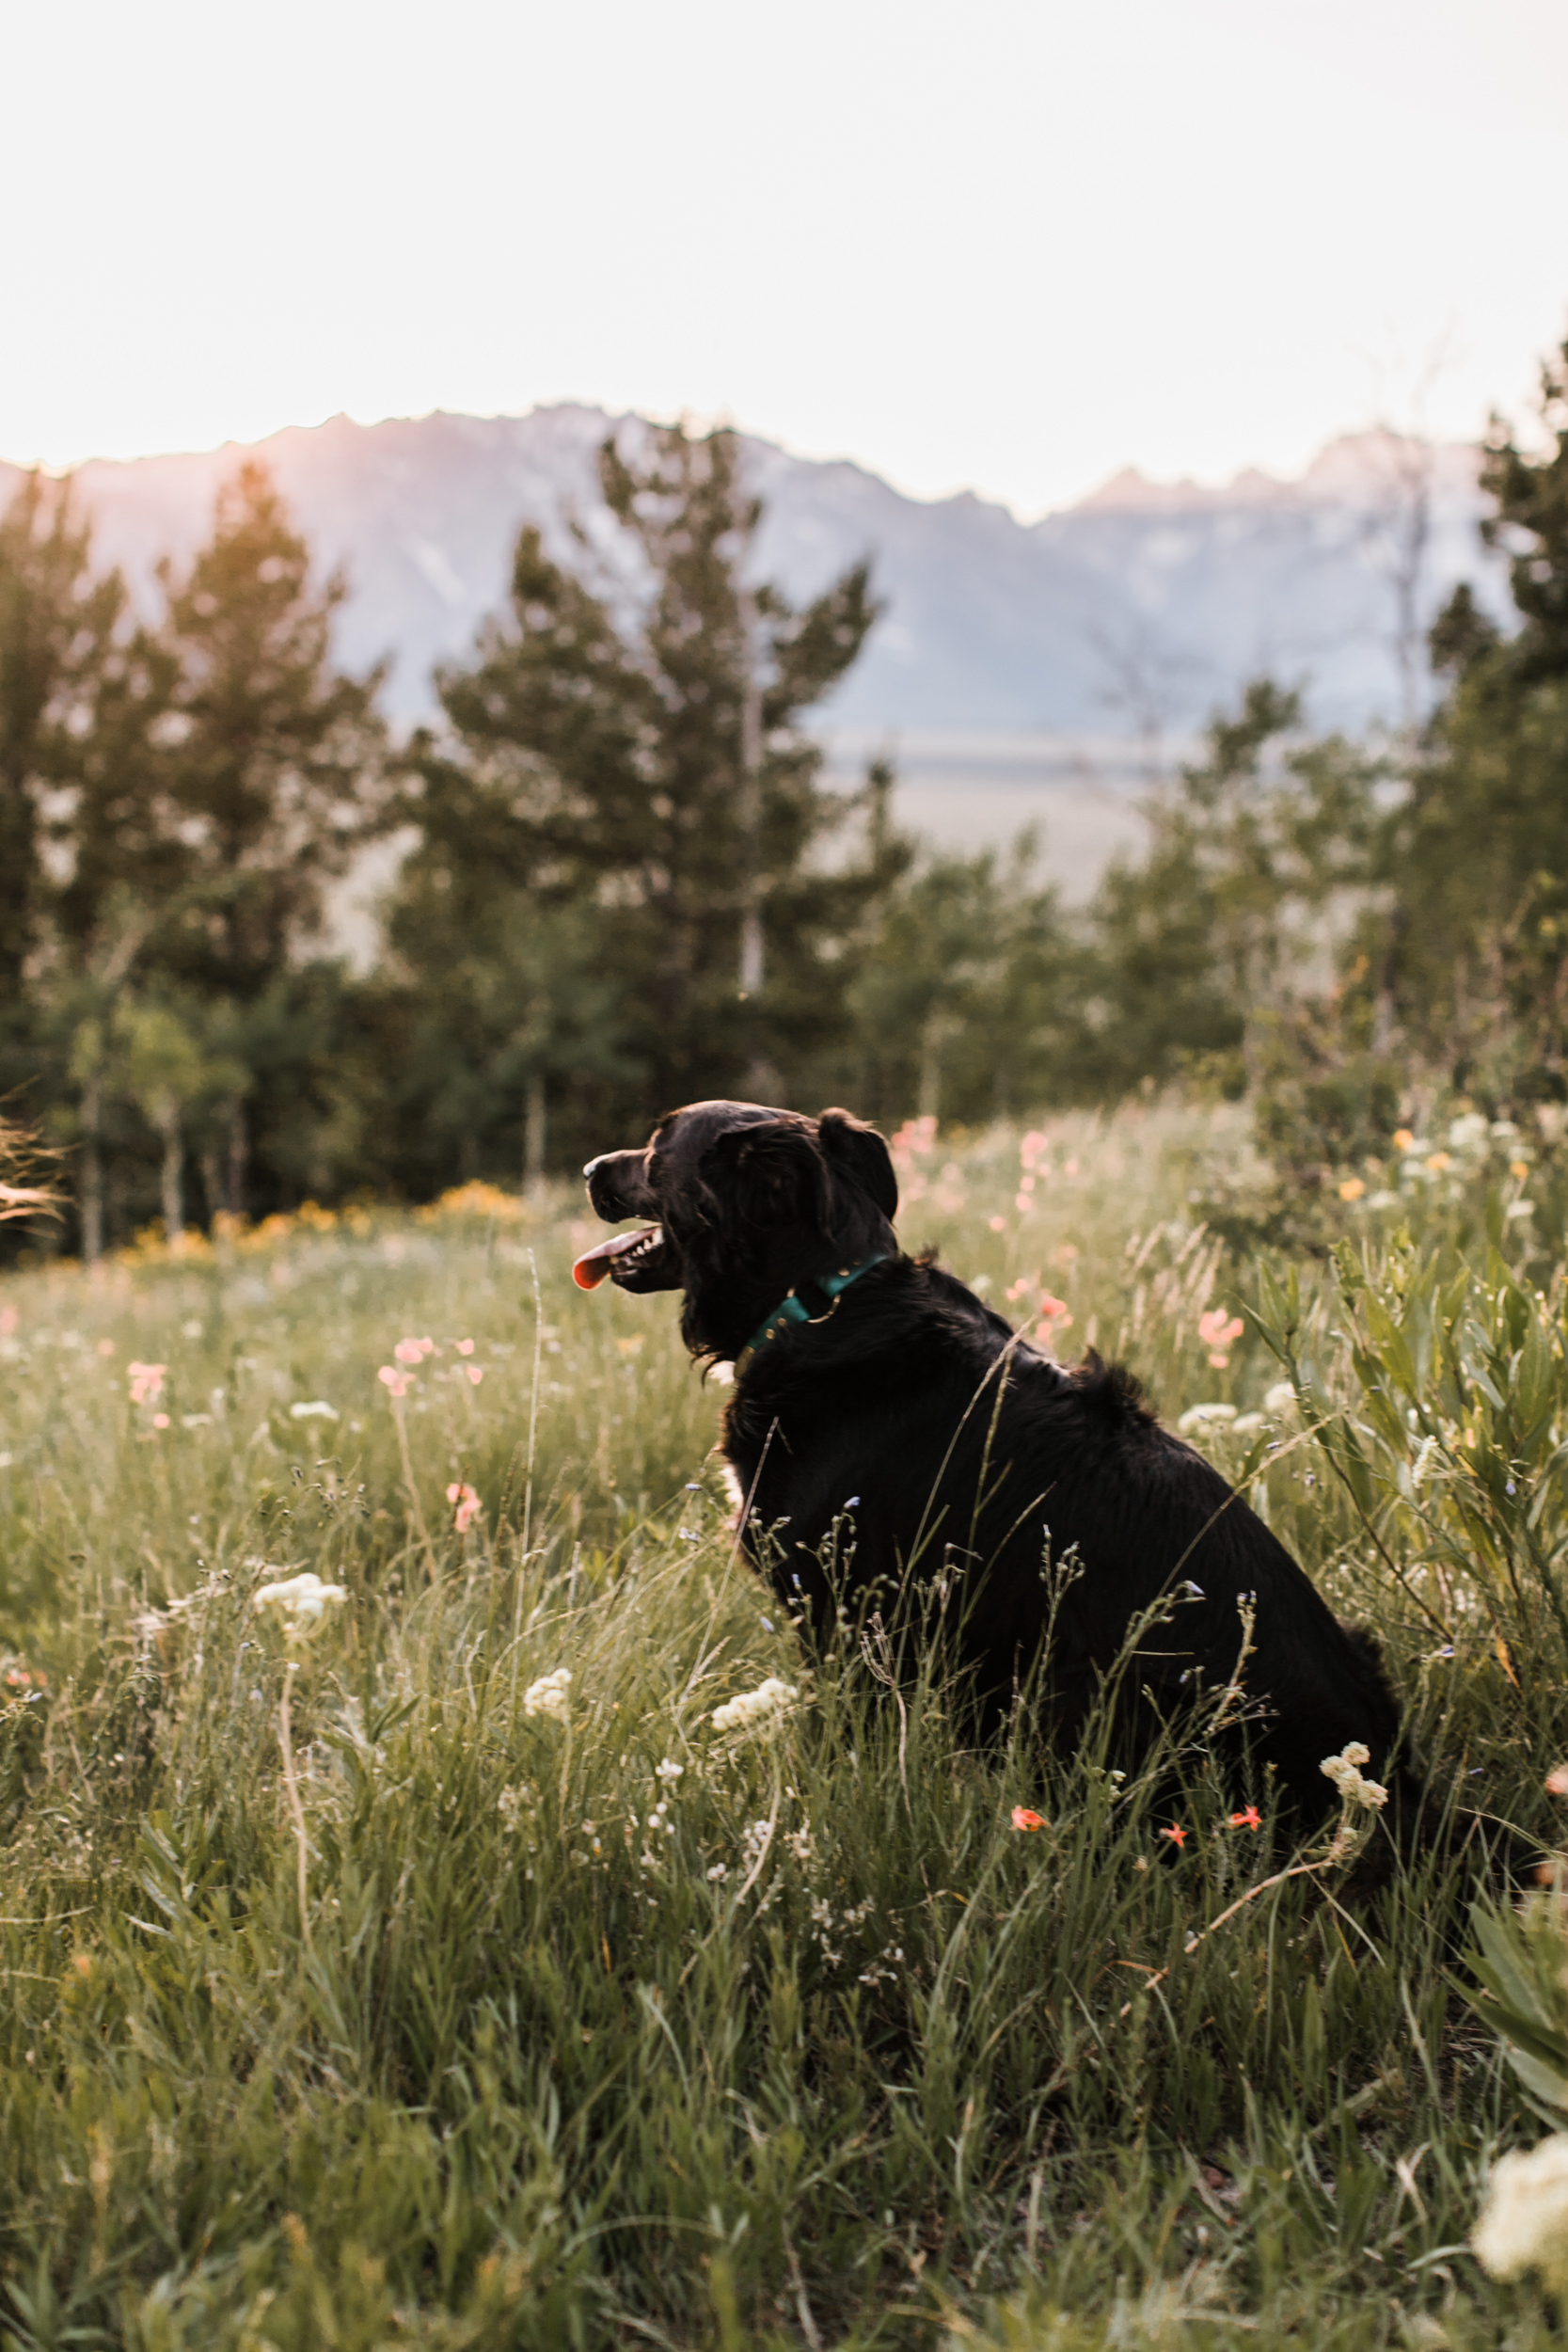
(794, 1309)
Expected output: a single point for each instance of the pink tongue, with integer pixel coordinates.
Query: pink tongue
(593, 1265)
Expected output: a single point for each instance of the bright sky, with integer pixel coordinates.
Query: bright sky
(1010, 246)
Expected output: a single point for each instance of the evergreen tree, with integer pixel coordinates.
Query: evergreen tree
(1477, 859)
(1218, 931)
(58, 631)
(274, 770)
(967, 1002)
(627, 747)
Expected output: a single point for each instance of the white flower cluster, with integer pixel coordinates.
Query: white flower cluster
(301, 1601)
(1344, 1770)
(547, 1696)
(768, 1700)
(1524, 2224)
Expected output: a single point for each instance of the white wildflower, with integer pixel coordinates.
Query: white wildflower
(1282, 1398)
(768, 1700)
(301, 1601)
(1344, 1770)
(1524, 2224)
(1422, 1462)
(547, 1696)
(668, 1770)
(1468, 1132)
(1203, 1415)
(314, 1409)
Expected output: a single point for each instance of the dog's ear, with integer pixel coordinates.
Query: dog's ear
(769, 1170)
(854, 1151)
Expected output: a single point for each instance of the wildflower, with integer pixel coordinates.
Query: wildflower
(1197, 1415)
(1557, 1781)
(1520, 1169)
(1175, 1834)
(1216, 1332)
(1246, 1819)
(1344, 1770)
(1022, 1204)
(1352, 1189)
(668, 1769)
(314, 1409)
(397, 1383)
(301, 1601)
(1524, 2224)
(1468, 1131)
(1439, 1162)
(997, 1224)
(408, 1352)
(768, 1700)
(475, 1373)
(159, 1420)
(547, 1696)
(468, 1506)
(1023, 1818)
(147, 1381)
(1033, 1147)
(1404, 1138)
(463, 1347)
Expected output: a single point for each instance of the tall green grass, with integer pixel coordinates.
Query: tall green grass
(607, 2026)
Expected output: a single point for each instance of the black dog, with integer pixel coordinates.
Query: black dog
(883, 1416)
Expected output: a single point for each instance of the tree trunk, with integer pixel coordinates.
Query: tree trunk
(239, 1156)
(92, 1206)
(534, 1135)
(174, 1172)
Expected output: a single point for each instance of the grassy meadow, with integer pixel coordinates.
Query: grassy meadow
(369, 1984)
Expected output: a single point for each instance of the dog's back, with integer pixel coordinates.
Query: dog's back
(944, 1465)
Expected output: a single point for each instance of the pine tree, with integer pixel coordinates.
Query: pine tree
(58, 628)
(626, 745)
(274, 770)
(1477, 859)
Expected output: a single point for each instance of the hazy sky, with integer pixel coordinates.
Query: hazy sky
(1009, 245)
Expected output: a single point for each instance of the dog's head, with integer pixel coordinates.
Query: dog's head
(745, 1202)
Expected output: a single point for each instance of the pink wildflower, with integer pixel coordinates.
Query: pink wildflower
(1247, 1819)
(159, 1420)
(1023, 1818)
(396, 1382)
(463, 1347)
(408, 1351)
(147, 1381)
(468, 1505)
(1217, 1332)
(997, 1224)
(1033, 1147)
(1175, 1834)
(475, 1373)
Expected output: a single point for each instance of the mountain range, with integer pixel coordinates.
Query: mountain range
(1012, 657)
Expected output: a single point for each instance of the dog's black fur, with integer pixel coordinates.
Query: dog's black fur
(947, 1450)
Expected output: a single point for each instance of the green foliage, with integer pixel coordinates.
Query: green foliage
(1215, 935)
(799, 2042)
(964, 1001)
(1477, 857)
(623, 790)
